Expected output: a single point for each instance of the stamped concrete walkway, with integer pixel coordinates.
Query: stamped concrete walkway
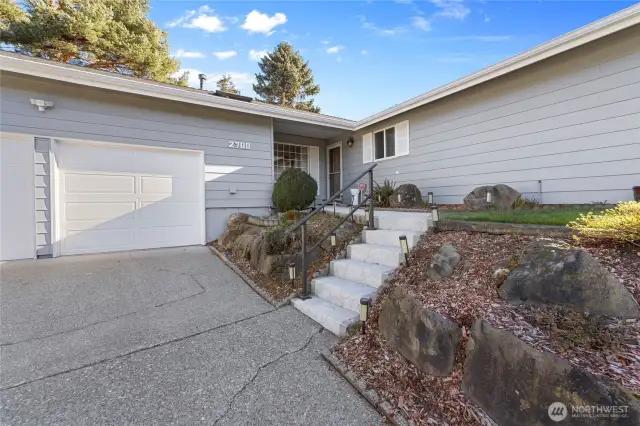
(158, 337)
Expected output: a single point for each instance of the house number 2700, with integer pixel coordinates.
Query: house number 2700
(239, 145)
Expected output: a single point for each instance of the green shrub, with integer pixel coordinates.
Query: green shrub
(619, 225)
(382, 193)
(294, 190)
(277, 240)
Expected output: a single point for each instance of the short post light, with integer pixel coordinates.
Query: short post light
(435, 217)
(399, 197)
(334, 207)
(292, 271)
(324, 200)
(404, 245)
(489, 197)
(365, 304)
(333, 239)
(430, 198)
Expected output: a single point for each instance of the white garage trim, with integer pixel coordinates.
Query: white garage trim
(57, 176)
(20, 189)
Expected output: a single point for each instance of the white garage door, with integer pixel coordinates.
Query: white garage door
(17, 197)
(117, 197)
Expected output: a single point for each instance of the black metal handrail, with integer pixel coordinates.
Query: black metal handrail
(303, 224)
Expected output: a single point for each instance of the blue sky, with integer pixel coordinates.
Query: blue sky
(366, 55)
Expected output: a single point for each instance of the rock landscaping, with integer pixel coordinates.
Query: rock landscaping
(264, 252)
(503, 198)
(466, 349)
(406, 196)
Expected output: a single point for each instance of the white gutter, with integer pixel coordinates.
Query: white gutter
(598, 29)
(78, 75)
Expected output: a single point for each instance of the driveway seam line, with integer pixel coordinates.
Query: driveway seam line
(102, 361)
(192, 276)
(262, 367)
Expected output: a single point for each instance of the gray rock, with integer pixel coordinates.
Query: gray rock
(554, 273)
(515, 383)
(236, 219)
(406, 196)
(503, 197)
(424, 337)
(443, 262)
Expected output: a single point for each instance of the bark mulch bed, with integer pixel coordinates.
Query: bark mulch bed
(608, 347)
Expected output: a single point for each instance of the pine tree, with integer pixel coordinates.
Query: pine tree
(225, 84)
(110, 35)
(286, 79)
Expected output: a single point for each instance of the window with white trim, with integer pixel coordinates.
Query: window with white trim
(385, 143)
(287, 156)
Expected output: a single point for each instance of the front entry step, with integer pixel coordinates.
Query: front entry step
(370, 274)
(343, 293)
(372, 253)
(386, 237)
(330, 316)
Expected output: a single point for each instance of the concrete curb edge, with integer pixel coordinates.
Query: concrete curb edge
(255, 287)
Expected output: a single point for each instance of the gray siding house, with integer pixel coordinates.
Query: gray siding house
(94, 162)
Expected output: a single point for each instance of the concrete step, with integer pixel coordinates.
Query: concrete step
(343, 293)
(385, 237)
(415, 222)
(372, 253)
(332, 317)
(370, 274)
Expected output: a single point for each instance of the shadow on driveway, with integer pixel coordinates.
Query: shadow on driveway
(160, 336)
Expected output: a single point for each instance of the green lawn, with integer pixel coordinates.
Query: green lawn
(558, 217)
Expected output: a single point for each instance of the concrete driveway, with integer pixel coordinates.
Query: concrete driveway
(156, 337)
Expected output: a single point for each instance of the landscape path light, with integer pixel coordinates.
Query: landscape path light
(404, 245)
(365, 304)
(430, 198)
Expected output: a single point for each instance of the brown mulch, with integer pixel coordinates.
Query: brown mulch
(610, 348)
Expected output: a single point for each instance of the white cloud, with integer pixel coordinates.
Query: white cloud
(256, 55)
(325, 42)
(487, 18)
(188, 55)
(257, 22)
(225, 54)
(335, 49)
(454, 9)
(381, 31)
(421, 23)
(204, 19)
(363, 52)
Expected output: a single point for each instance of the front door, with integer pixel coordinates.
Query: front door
(334, 160)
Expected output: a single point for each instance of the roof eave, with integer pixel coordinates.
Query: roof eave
(58, 72)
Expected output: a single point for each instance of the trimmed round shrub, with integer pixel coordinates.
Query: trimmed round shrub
(294, 190)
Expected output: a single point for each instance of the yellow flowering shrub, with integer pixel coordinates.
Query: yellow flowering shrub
(619, 225)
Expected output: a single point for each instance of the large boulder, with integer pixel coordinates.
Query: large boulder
(554, 273)
(503, 197)
(516, 384)
(424, 337)
(443, 262)
(406, 196)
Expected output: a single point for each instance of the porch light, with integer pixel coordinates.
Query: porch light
(430, 198)
(350, 141)
(489, 197)
(333, 239)
(292, 271)
(365, 304)
(404, 245)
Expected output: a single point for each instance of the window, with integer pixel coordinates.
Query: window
(289, 157)
(386, 143)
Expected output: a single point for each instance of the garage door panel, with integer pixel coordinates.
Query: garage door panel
(76, 183)
(167, 162)
(168, 214)
(140, 198)
(96, 158)
(99, 240)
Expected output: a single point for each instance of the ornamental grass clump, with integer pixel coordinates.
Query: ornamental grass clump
(619, 225)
